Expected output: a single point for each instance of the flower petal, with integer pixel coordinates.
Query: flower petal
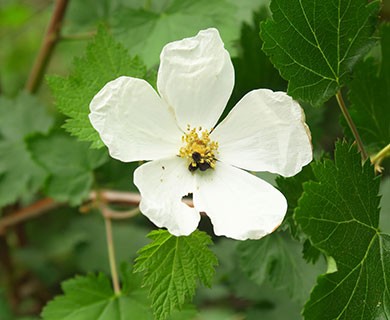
(196, 78)
(162, 184)
(265, 131)
(133, 121)
(240, 205)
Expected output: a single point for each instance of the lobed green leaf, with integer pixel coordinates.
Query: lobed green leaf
(340, 214)
(315, 44)
(279, 259)
(105, 60)
(145, 32)
(91, 297)
(20, 176)
(252, 67)
(370, 97)
(172, 265)
(69, 164)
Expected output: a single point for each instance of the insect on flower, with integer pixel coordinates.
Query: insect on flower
(175, 130)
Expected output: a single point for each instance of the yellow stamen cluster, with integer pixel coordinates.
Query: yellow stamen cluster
(199, 150)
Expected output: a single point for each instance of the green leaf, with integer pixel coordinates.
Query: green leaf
(127, 236)
(21, 117)
(104, 61)
(384, 221)
(340, 214)
(292, 189)
(370, 97)
(187, 312)
(315, 44)
(69, 163)
(279, 259)
(246, 8)
(273, 305)
(172, 265)
(20, 176)
(91, 297)
(145, 32)
(252, 67)
(50, 252)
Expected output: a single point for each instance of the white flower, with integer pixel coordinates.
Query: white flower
(174, 128)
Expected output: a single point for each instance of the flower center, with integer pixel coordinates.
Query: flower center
(198, 149)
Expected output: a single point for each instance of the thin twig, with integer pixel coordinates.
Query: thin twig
(111, 251)
(33, 210)
(351, 125)
(47, 47)
(46, 205)
(120, 215)
(113, 196)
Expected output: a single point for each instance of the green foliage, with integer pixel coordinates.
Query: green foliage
(232, 284)
(340, 214)
(252, 67)
(278, 259)
(145, 32)
(384, 221)
(315, 44)
(127, 236)
(292, 188)
(370, 97)
(172, 265)
(91, 297)
(145, 26)
(69, 164)
(19, 43)
(5, 310)
(104, 61)
(333, 207)
(20, 176)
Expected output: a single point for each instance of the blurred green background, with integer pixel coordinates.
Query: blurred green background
(54, 247)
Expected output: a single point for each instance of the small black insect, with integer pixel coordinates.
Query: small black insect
(192, 168)
(196, 156)
(198, 163)
(204, 166)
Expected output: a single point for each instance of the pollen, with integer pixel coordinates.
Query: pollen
(199, 150)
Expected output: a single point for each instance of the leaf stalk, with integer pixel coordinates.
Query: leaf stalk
(351, 125)
(111, 253)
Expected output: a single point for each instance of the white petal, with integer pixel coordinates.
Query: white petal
(133, 121)
(162, 184)
(196, 78)
(240, 205)
(265, 131)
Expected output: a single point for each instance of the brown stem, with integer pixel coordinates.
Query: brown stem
(120, 215)
(46, 205)
(351, 125)
(47, 47)
(113, 196)
(36, 209)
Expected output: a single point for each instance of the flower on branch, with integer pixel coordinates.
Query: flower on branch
(175, 130)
